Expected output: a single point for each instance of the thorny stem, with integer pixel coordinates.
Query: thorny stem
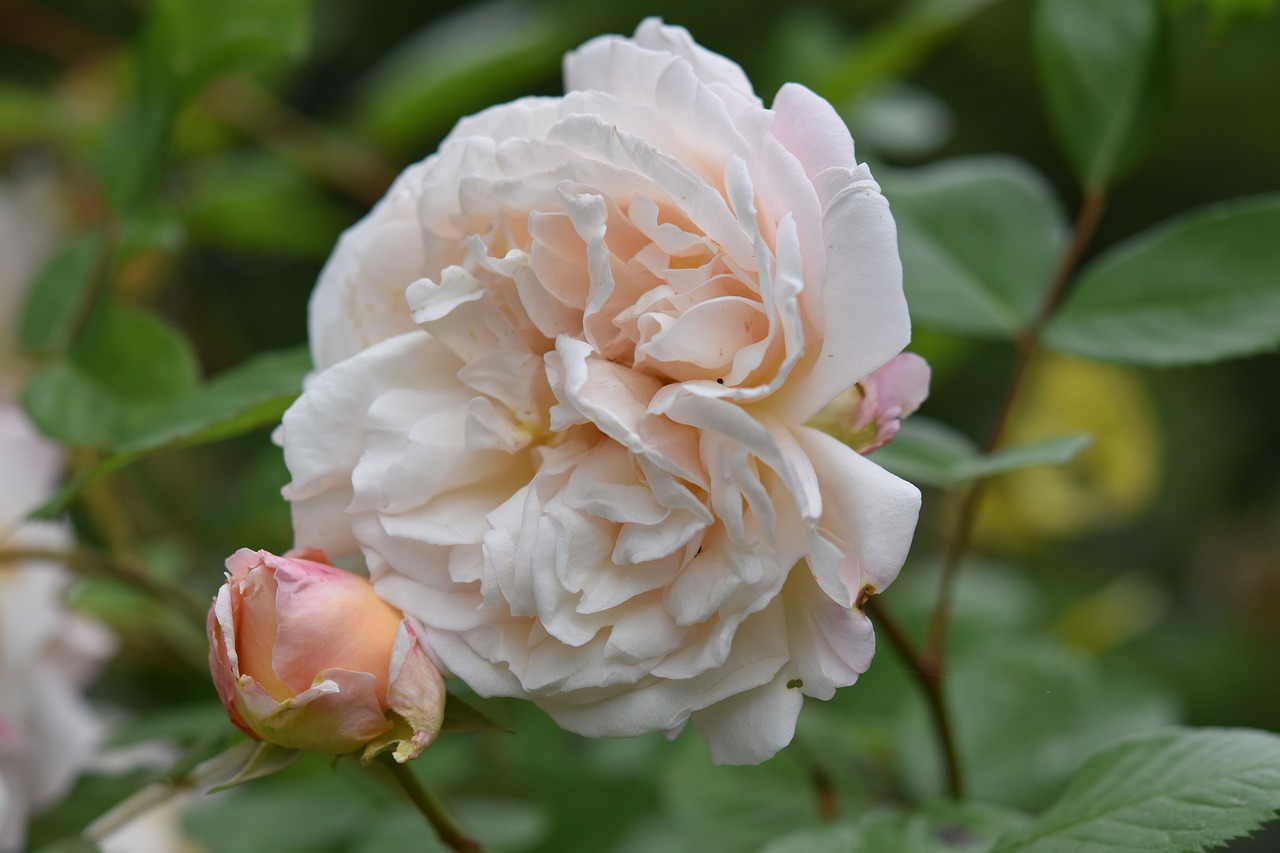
(928, 666)
(453, 836)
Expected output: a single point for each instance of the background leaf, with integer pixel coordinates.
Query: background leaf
(186, 44)
(730, 809)
(1202, 288)
(260, 204)
(189, 42)
(896, 48)
(90, 396)
(246, 397)
(1100, 69)
(56, 306)
(933, 454)
(979, 238)
(242, 763)
(1027, 711)
(1171, 791)
(472, 59)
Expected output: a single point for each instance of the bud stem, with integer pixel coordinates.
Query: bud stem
(453, 836)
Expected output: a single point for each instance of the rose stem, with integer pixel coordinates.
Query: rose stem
(927, 667)
(1086, 224)
(930, 685)
(826, 800)
(432, 809)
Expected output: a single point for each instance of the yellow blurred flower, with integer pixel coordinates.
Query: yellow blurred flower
(1107, 485)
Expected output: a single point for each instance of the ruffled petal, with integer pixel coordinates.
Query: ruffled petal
(870, 511)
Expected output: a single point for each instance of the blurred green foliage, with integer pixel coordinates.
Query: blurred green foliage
(206, 156)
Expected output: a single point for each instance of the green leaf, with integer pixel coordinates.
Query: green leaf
(260, 203)
(979, 238)
(455, 66)
(1100, 68)
(189, 42)
(1198, 289)
(247, 397)
(927, 453)
(832, 838)
(503, 823)
(28, 115)
(1176, 790)
(730, 809)
(896, 48)
(932, 454)
(137, 355)
(242, 763)
(133, 156)
(58, 304)
(399, 830)
(1225, 13)
(186, 44)
(1027, 711)
(314, 806)
(1052, 451)
(937, 827)
(91, 396)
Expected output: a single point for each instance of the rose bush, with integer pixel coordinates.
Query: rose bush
(305, 656)
(563, 371)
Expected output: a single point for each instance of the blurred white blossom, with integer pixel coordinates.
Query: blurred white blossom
(48, 733)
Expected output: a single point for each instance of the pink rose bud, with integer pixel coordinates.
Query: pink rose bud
(884, 398)
(306, 656)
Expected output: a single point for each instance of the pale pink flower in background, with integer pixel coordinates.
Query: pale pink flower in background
(563, 372)
(305, 655)
(48, 733)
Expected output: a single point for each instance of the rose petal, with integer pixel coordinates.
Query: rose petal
(862, 317)
(864, 505)
(750, 726)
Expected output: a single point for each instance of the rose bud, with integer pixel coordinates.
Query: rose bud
(870, 413)
(306, 656)
(885, 397)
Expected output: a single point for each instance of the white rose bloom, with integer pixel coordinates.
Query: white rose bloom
(563, 372)
(48, 733)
